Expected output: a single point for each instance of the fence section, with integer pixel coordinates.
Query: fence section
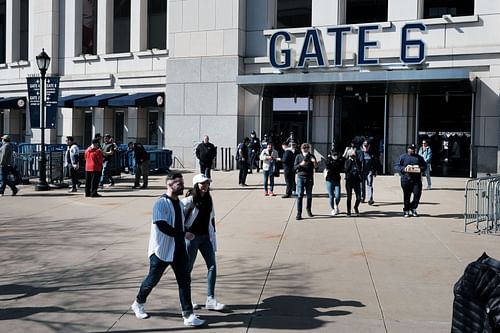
(482, 204)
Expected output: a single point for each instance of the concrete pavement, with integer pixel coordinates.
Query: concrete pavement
(74, 264)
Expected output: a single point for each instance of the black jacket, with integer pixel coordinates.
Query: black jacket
(206, 152)
(476, 307)
(353, 170)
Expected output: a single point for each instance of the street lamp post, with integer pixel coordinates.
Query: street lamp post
(43, 61)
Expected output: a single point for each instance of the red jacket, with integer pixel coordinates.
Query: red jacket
(93, 159)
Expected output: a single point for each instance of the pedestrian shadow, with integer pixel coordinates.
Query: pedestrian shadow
(9, 292)
(22, 312)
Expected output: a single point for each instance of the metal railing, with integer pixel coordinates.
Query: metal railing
(482, 204)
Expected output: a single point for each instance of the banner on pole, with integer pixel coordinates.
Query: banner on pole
(51, 98)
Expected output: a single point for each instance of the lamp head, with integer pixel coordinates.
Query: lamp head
(43, 61)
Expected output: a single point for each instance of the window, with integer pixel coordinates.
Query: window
(119, 126)
(293, 14)
(2, 32)
(157, 24)
(438, 8)
(23, 33)
(87, 129)
(2, 130)
(121, 26)
(153, 126)
(89, 27)
(365, 11)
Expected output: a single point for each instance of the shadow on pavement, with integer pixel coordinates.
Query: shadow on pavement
(16, 313)
(18, 291)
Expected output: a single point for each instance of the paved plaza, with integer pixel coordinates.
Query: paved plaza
(74, 264)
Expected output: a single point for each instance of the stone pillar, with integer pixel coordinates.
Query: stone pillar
(104, 27)
(138, 25)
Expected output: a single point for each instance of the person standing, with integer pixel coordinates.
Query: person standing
(332, 181)
(141, 165)
(254, 151)
(353, 179)
(200, 221)
(71, 162)
(304, 166)
(410, 167)
(426, 152)
(288, 161)
(130, 158)
(206, 152)
(108, 150)
(167, 247)
(93, 169)
(6, 166)
(243, 158)
(369, 171)
(269, 156)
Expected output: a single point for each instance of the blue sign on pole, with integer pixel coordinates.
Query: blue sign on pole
(51, 98)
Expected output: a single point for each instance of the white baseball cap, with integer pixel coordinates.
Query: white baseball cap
(200, 178)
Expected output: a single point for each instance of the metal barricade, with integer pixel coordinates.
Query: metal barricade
(482, 204)
(226, 159)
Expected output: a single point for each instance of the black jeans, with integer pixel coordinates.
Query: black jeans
(289, 174)
(356, 187)
(180, 266)
(73, 174)
(242, 178)
(205, 169)
(410, 186)
(92, 179)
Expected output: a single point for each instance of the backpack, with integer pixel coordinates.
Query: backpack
(355, 172)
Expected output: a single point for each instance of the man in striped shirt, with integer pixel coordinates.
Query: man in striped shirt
(167, 247)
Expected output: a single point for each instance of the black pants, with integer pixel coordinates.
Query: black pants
(410, 186)
(356, 187)
(73, 174)
(242, 178)
(205, 169)
(180, 266)
(92, 179)
(289, 174)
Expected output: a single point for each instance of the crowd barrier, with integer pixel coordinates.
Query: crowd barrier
(482, 204)
(226, 160)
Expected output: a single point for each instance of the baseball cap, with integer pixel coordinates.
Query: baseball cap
(6, 137)
(200, 178)
(412, 146)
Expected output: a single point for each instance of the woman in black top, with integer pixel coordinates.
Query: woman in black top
(353, 180)
(332, 180)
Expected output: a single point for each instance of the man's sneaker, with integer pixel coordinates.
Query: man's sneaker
(196, 306)
(266, 193)
(333, 212)
(298, 217)
(193, 320)
(337, 210)
(138, 309)
(271, 194)
(212, 304)
(15, 190)
(414, 213)
(406, 213)
(309, 213)
(371, 202)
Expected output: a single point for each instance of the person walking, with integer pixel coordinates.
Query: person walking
(167, 247)
(426, 152)
(304, 166)
(353, 179)
(93, 169)
(332, 181)
(410, 167)
(206, 152)
(243, 158)
(141, 165)
(288, 161)
(130, 158)
(369, 171)
(6, 166)
(269, 156)
(200, 221)
(108, 151)
(71, 162)
(254, 151)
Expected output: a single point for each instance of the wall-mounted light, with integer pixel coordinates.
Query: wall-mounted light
(447, 96)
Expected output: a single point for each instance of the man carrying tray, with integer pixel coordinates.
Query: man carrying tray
(410, 167)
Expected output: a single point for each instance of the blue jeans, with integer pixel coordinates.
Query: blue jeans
(181, 270)
(202, 243)
(427, 174)
(303, 183)
(106, 175)
(131, 162)
(333, 189)
(268, 175)
(367, 187)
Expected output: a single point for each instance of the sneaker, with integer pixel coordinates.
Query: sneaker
(309, 213)
(406, 213)
(429, 187)
(285, 196)
(371, 202)
(15, 190)
(414, 213)
(73, 190)
(270, 193)
(298, 217)
(337, 210)
(196, 306)
(356, 210)
(193, 320)
(348, 214)
(212, 304)
(266, 194)
(333, 212)
(138, 309)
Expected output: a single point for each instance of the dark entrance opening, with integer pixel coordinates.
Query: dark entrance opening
(445, 121)
(285, 122)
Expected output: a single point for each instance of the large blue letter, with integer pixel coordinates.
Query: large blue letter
(276, 52)
(362, 44)
(405, 44)
(314, 36)
(338, 42)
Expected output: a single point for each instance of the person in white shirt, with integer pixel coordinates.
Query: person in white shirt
(71, 162)
(269, 156)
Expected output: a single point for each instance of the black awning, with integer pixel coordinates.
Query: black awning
(154, 99)
(13, 102)
(68, 101)
(99, 100)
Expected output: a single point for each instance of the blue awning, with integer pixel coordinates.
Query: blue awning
(99, 100)
(68, 101)
(139, 99)
(13, 102)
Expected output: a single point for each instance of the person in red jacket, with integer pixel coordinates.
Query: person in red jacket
(93, 169)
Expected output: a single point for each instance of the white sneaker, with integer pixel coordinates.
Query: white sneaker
(138, 309)
(414, 213)
(193, 320)
(196, 306)
(212, 304)
(333, 212)
(337, 210)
